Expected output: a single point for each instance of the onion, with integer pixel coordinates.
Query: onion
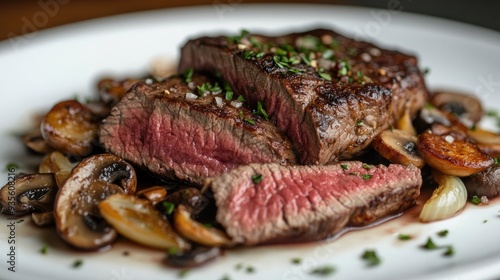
(447, 200)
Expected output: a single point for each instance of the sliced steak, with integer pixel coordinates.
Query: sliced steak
(171, 130)
(331, 94)
(267, 203)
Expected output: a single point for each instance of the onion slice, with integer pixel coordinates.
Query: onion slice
(447, 200)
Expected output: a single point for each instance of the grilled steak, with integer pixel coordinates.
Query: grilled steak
(330, 94)
(267, 203)
(171, 130)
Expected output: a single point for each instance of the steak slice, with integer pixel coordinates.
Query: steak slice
(330, 94)
(306, 203)
(173, 132)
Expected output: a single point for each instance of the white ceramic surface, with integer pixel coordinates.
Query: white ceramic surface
(49, 66)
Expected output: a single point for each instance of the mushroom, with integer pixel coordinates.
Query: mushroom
(486, 183)
(78, 221)
(154, 194)
(398, 146)
(43, 219)
(194, 231)
(111, 90)
(452, 154)
(192, 198)
(405, 123)
(29, 193)
(430, 115)
(58, 164)
(71, 128)
(137, 220)
(466, 106)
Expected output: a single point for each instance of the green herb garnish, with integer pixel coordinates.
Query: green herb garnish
(261, 111)
(250, 269)
(172, 251)
(402, 236)
(249, 55)
(11, 167)
(360, 123)
(241, 98)
(257, 178)
(19, 221)
(475, 200)
(370, 256)
(296, 260)
(169, 207)
(183, 273)
(366, 166)
(325, 76)
(229, 95)
(449, 251)
(344, 166)
(429, 245)
(366, 176)
(496, 160)
(237, 39)
(353, 173)
(443, 233)
(323, 270)
(250, 121)
(44, 249)
(188, 74)
(77, 263)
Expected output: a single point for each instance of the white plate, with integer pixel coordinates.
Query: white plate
(39, 70)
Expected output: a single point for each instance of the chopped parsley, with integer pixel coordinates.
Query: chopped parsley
(402, 236)
(496, 160)
(172, 251)
(427, 70)
(429, 245)
(237, 39)
(238, 266)
(323, 270)
(360, 123)
(257, 178)
(296, 260)
(249, 55)
(250, 121)
(44, 249)
(261, 111)
(344, 166)
(366, 166)
(207, 87)
(366, 176)
(19, 221)
(225, 277)
(443, 233)
(183, 273)
(11, 167)
(241, 98)
(353, 173)
(188, 74)
(475, 200)
(370, 256)
(229, 95)
(77, 263)
(250, 269)
(324, 75)
(169, 207)
(449, 251)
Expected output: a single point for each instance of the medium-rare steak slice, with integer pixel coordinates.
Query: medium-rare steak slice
(190, 130)
(267, 203)
(331, 94)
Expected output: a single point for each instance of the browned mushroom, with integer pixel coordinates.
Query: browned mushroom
(112, 90)
(466, 106)
(192, 198)
(398, 146)
(195, 231)
(71, 128)
(154, 194)
(26, 194)
(43, 219)
(77, 217)
(137, 220)
(58, 164)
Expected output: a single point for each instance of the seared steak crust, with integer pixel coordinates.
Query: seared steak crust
(330, 94)
(172, 131)
(305, 203)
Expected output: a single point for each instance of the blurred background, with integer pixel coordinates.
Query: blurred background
(14, 14)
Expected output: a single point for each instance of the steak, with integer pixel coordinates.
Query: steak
(269, 203)
(329, 93)
(189, 130)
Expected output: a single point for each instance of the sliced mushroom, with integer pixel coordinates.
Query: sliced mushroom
(98, 108)
(452, 155)
(58, 164)
(486, 183)
(78, 220)
(192, 198)
(430, 115)
(194, 231)
(154, 194)
(36, 143)
(111, 90)
(43, 219)
(26, 194)
(137, 220)
(405, 123)
(484, 136)
(71, 128)
(398, 146)
(466, 106)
